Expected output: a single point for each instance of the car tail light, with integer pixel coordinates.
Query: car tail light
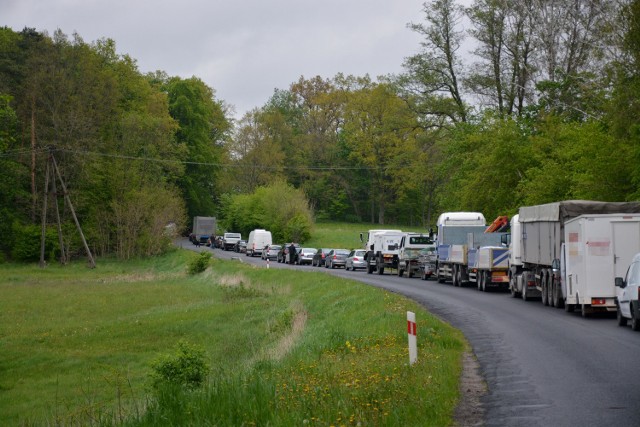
(598, 301)
(355, 258)
(323, 255)
(335, 257)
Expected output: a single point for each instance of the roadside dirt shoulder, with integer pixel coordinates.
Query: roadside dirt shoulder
(472, 388)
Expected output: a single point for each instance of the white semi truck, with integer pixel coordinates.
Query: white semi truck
(461, 235)
(537, 235)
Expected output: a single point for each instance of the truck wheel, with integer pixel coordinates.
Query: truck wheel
(525, 297)
(635, 322)
(400, 272)
(545, 291)
(369, 268)
(410, 273)
(558, 299)
(459, 277)
(586, 311)
(569, 308)
(622, 321)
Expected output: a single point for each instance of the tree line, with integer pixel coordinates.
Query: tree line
(504, 104)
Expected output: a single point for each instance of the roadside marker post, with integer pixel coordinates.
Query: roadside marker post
(412, 330)
(267, 262)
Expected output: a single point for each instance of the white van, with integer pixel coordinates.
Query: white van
(258, 239)
(627, 297)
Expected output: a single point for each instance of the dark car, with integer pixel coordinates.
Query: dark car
(282, 253)
(336, 258)
(319, 257)
(271, 252)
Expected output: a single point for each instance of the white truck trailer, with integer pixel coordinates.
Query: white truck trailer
(488, 267)
(537, 235)
(596, 250)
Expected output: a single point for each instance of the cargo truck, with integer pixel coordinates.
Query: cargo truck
(382, 249)
(204, 227)
(458, 234)
(596, 250)
(537, 235)
(412, 246)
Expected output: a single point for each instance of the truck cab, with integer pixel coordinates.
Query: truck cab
(412, 246)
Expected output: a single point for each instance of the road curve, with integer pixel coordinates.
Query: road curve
(543, 367)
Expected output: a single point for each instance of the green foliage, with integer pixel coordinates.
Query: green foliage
(186, 367)
(279, 208)
(27, 243)
(199, 263)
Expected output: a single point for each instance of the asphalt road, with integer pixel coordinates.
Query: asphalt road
(543, 367)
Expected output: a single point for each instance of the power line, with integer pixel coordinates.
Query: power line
(222, 165)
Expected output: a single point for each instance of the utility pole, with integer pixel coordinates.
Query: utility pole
(51, 162)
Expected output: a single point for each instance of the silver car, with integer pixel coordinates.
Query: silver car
(336, 258)
(270, 252)
(355, 259)
(305, 256)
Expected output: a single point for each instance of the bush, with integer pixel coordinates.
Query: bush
(186, 368)
(26, 246)
(200, 263)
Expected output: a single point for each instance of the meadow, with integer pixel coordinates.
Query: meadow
(283, 347)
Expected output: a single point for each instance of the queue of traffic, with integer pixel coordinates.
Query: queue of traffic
(576, 254)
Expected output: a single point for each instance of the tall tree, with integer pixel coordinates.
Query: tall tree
(203, 130)
(433, 78)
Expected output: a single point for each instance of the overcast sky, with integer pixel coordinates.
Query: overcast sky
(243, 49)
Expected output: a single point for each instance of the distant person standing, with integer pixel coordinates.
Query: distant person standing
(292, 253)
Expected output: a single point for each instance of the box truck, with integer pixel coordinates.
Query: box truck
(596, 250)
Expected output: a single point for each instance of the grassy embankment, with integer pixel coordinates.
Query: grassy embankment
(284, 347)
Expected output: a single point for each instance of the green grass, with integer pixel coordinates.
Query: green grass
(346, 235)
(284, 347)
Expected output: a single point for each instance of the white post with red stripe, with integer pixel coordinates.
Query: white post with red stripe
(412, 330)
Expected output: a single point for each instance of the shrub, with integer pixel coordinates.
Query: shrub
(200, 263)
(186, 368)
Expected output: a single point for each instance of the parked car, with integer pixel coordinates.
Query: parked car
(241, 246)
(628, 295)
(282, 254)
(336, 258)
(319, 257)
(270, 252)
(305, 256)
(355, 259)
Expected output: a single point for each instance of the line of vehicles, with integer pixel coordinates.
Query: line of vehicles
(575, 254)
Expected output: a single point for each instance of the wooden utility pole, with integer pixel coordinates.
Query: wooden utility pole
(56, 172)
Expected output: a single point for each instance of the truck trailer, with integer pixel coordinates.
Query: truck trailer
(538, 233)
(204, 227)
(597, 249)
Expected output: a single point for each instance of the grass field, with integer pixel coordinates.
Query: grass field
(285, 347)
(346, 235)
